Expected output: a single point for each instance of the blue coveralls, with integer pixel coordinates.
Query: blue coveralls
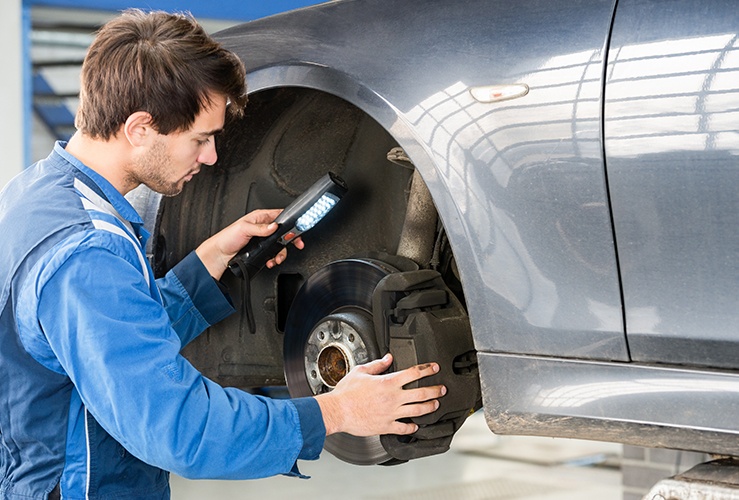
(95, 399)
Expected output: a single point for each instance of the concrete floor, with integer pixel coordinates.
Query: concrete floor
(479, 466)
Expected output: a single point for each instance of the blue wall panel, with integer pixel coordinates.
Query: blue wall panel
(238, 10)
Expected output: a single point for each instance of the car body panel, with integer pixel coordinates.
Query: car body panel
(652, 406)
(517, 183)
(527, 190)
(672, 140)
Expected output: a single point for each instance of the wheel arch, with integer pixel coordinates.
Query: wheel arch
(344, 86)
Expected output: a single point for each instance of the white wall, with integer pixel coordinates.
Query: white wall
(11, 90)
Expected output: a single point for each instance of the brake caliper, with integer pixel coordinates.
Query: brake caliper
(419, 320)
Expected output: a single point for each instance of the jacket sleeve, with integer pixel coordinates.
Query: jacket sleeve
(118, 346)
(192, 298)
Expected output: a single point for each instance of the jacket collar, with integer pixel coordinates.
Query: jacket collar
(98, 183)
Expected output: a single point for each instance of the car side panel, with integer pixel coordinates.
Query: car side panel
(652, 406)
(671, 121)
(520, 184)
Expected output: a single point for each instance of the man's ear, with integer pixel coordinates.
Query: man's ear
(138, 129)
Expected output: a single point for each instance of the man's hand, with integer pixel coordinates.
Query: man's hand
(219, 249)
(366, 403)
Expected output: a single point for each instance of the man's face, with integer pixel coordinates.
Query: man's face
(173, 159)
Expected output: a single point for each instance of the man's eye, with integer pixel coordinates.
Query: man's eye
(203, 142)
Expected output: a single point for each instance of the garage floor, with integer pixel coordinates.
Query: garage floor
(479, 466)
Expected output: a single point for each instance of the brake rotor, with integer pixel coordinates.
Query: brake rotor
(328, 331)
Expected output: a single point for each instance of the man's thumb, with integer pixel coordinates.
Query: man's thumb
(262, 229)
(379, 365)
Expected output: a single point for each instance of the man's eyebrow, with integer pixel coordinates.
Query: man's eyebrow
(210, 132)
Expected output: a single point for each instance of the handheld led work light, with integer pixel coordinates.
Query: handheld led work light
(298, 217)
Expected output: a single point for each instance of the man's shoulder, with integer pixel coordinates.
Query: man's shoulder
(38, 194)
(36, 204)
(40, 210)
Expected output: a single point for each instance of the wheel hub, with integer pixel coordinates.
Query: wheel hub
(334, 347)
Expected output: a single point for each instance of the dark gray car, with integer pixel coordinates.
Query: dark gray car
(543, 196)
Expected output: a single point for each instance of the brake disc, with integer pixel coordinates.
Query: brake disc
(328, 331)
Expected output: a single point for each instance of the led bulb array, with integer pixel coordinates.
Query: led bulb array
(315, 213)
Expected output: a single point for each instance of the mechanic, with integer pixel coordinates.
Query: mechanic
(96, 400)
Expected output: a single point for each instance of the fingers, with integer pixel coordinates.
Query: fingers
(412, 402)
(278, 259)
(423, 394)
(418, 409)
(402, 428)
(415, 373)
(368, 402)
(410, 411)
(298, 242)
(418, 401)
(377, 366)
(258, 223)
(404, 377)
(262, 216)
(246, 230)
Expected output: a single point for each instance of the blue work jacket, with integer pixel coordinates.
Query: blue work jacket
(95, 399)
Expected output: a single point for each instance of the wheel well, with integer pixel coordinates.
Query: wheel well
(287, 139)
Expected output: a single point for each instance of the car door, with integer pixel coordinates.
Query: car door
(672, 144)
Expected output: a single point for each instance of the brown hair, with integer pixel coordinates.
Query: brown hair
(161, 63)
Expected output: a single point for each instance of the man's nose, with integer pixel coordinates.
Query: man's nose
(208, 155)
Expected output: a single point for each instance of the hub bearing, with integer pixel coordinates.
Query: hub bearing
(335, 346)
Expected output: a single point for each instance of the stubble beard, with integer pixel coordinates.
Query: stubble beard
(152, 170)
